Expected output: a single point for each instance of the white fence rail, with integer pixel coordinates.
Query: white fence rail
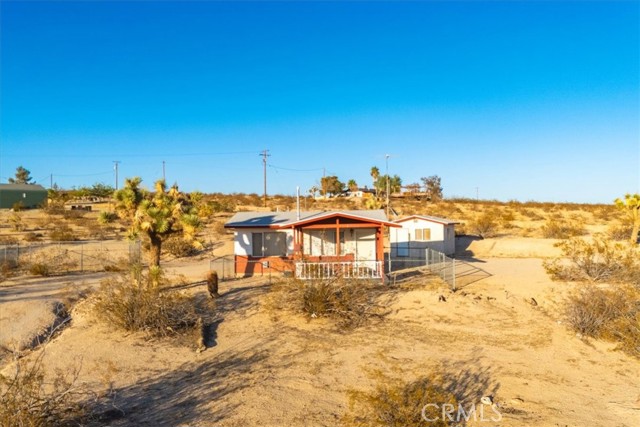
(350, 270)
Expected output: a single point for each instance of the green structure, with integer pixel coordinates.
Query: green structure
(31, 195)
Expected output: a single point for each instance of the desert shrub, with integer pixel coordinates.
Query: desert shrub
(16, 221)
(73, 214)
(558, 228)
(9, 240)
(139, 301)
(40, 269)
(612, 314)
(598, 260)
(484, 225)
(29, 398)
(106, 217)
(619, 232)
(62, 233)
(178, 247)
(33, 237)
(349, 302)
(395, 403)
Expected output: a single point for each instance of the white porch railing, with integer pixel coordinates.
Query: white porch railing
(347, 269)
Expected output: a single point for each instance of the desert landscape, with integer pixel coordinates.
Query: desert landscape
(503, 335)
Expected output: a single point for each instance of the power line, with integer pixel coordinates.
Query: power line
(294, 170)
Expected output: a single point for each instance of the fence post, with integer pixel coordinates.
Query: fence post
(81, 258)
(453, 273)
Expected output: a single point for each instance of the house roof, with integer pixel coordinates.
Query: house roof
(290, 219)
(22, 187)
(435, 219)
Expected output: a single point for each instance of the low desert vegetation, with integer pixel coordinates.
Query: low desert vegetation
(396, 403)
(597, 260)
(485, 225)
(611, 313)
(349, 302)
(558, 227)
(143, 301)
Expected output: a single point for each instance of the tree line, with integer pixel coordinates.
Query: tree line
(429, 187)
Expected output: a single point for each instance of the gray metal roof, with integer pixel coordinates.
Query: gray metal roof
(283, 219)
(430, 219)
(22, 187)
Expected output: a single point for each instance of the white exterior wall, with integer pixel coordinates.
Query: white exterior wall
(242, 242)
(442, 237)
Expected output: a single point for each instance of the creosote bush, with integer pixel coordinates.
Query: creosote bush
(559, 228)
(608, 313)
(349, 302)
(598, 260)
(140, 301)
(106, 217)
(400, 404)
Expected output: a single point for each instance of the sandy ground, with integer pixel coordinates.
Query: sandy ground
(273, 369)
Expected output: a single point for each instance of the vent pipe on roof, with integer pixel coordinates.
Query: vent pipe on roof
(298, 203)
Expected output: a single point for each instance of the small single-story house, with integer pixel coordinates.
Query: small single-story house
(29, 195)
(310, 244)
(419, 232)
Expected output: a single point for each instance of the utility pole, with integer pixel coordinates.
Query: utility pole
(164, 178)
(51, 181)
(115, 167)
(387, 173)
(477, 194)
(265, 154)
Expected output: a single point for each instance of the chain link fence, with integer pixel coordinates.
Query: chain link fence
(69, 257)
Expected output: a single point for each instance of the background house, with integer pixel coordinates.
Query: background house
(326, 241)
(419, 232)
(30, 195)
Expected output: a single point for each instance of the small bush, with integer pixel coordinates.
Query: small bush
(179, 247)
(612, 314)
(137, 302)
(598, 260)
(40, 269)
(33, 237)
(16, 221)
(28, 398)
(349, 302)
(398, 404)
(62, 233)
(484, 225)
(620, 232)
(558, 228)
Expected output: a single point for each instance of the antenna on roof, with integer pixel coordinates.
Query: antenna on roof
(298, 203)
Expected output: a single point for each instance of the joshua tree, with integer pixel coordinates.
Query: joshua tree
(23, 176)
(631, 205)
(159, 215)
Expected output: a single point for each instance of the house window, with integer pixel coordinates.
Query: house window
(269, 244)
(423, 234)
(322, 242)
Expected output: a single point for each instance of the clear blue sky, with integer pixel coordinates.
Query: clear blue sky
(525, 100)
